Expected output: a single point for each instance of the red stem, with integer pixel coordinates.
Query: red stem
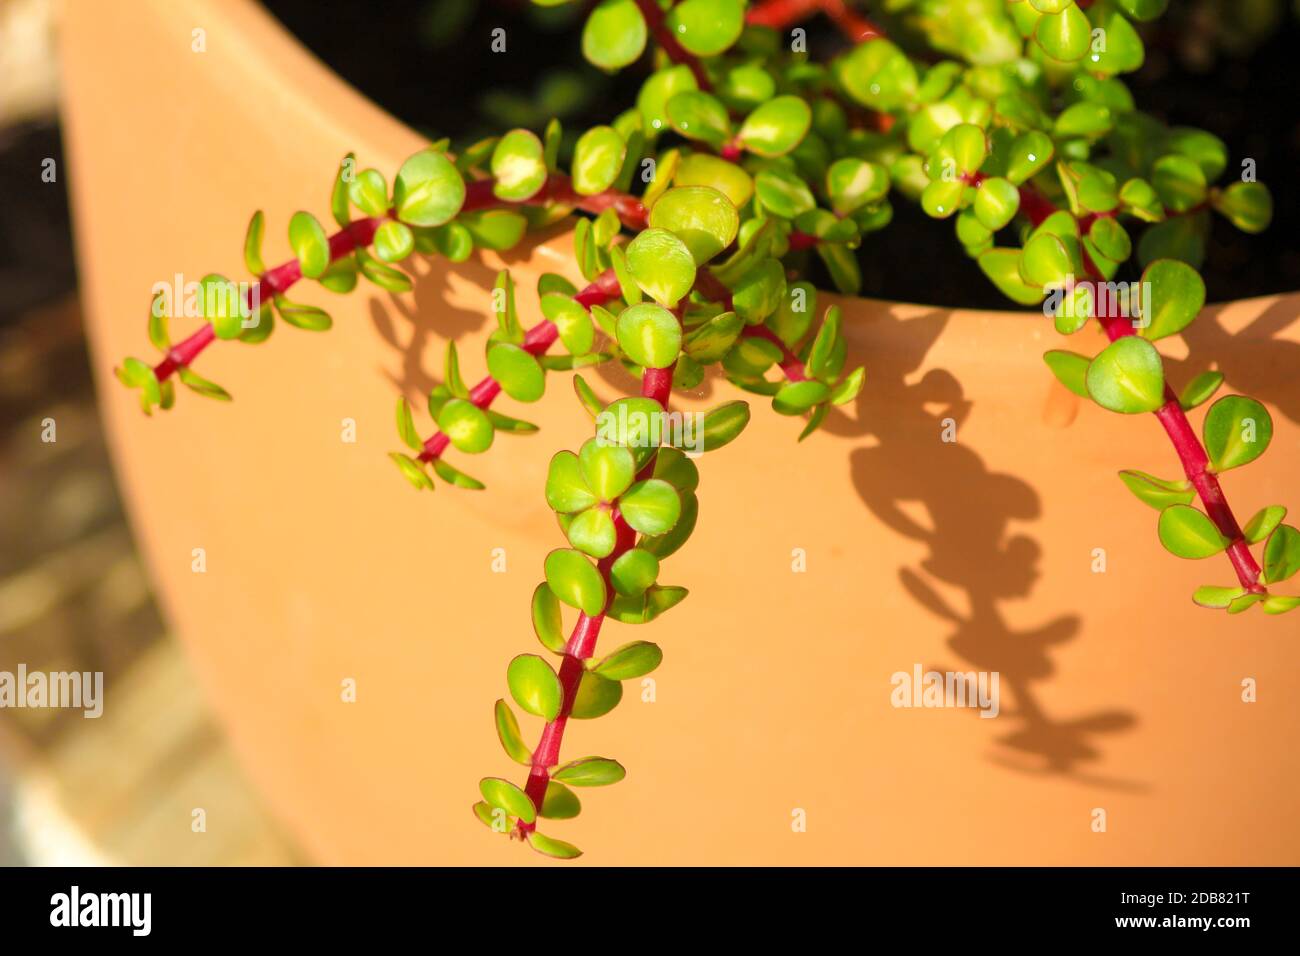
(781, 14)
(656, 383)
(360, 233)
(654, 18)
(1173, 419)
(537, 340)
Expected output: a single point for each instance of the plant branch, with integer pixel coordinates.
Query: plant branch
(536, 341)
(655, 384)
(782, 14)
(654, 18)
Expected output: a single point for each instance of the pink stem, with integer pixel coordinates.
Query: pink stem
(536, 341)
(656, 383)
(654, 18)
(273, 282)
(361, 233)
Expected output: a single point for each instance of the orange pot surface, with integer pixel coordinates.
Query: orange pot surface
(323, 566)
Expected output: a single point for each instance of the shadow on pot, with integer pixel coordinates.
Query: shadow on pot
(1255, 359)
(943, 494)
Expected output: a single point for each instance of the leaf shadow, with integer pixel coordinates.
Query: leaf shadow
(1256, 357)
(973, 521)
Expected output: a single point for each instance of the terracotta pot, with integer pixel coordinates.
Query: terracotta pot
(775, 695)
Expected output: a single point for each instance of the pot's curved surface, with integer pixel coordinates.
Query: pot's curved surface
(1011, 549)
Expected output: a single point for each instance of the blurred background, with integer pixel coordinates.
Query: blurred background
(73, 592)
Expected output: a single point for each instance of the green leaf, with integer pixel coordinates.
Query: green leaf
(559, 802)
(202, 386)
(566, 488)
(571, 319)
(1110, 239)
(508, 733)
(711, 340)
(159, 337)
(394, 241)
(534, 686)
(451, 373)
(632, 572)
(1177, 294)
(853, 183)
(386, 277)
(615, 34)
(576, 581)
(1215, 597)
(701, 217)
(340, 276)
(597, 159)
(776, 127)
(518, 372)
(1046, 261)
(701, 169)
(369, 192)
(588, 398)
(1065, 35)
(1157, 492)
(760, 291)
(1070, 369)
(647, 607)
(1002, 266)
(306, 317)
(1127, 377)
(506, 796)
(550, 847)
(706, 27)
(596, 697)
(406, 426)
(1029, 153)
(996, 203)
(723, 424)
(942, 198)
(590, 772)
(339, 194)
(1188, 533)
(1261, 525)
(253, 245)
(592, 532)
(630, 661)
(518, 166)
(429, 189)
(1236, 430)
(662, 265)
(547, 622)
(607, 470)
(795, 398)
(878, 75)
(649, 335)
(412, 470)
(849, 387)
(1278, 604)
(1281, 554)
(1248, 206)
(466, 426)
(1200, 390)
(454, 476)
(497, 229)
(665, 545)
(826, 357)
(1084, 119)
(1179, 182)
(651, 506)
(701, 116)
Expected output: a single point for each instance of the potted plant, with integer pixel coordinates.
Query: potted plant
(675, 245)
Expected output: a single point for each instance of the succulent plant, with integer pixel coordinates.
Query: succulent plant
(700, 212)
